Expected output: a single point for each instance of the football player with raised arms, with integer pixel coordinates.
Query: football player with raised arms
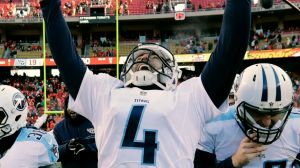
(260, 131)
(144, 120)
(22, 147)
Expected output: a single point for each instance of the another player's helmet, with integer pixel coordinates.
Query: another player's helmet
(263, 90)
(13, 110)
(151, 64)
(231, 95)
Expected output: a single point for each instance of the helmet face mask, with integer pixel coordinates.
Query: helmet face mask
(147, 60)
(3, 116)
(250, 120)
(264, 96)
(151, 64)
(13, 110)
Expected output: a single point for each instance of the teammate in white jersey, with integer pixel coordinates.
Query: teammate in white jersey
(258, 132)
(144, 120)
(22, 147)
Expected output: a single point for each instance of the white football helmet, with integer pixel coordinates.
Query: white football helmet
(263, 90)
(231, 95)
(151, 64)
(13, 110)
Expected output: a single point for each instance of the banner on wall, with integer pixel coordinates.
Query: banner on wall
(90, 61)
(192, 57)
(182, 58)
(28, 62)
(269, 54)
(97, 19)
(6, 62)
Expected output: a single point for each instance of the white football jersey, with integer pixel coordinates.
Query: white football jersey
(144, 128)
(33, 148)
(296, 110)
(222, 136)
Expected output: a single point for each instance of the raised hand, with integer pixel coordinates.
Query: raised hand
(75, 146)
(247, 151)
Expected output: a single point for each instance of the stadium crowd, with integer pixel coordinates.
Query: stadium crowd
(33, 49)
(32, 88)
(167, 6)
(19, 9)
(179, 43)
(269, 40)
(75, 8)
(183, 43)
(31, 8)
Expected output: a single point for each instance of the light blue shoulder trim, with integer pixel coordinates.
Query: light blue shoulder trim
(294, 115)
(40, 136)
(229, 115)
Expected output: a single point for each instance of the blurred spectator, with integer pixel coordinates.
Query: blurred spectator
(76, 140)
(40, 109)
(186, 74)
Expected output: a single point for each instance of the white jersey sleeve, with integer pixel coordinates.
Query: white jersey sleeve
(88, 95)
(33, 148)
(296, 110)
(200, 100)
(215, 131)
(41, 120)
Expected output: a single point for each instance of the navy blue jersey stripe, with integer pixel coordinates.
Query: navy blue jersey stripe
(264, 96)
(225, 60)
(278, 89)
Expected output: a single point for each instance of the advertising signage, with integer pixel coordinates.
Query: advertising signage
(97, 19)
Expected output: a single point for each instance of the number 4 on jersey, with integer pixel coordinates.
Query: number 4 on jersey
(148, 145)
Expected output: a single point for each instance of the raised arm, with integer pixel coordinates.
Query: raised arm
(70, 65)
(204, 159)
(219, 72)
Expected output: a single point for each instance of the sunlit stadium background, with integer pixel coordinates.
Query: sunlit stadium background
(189, 28)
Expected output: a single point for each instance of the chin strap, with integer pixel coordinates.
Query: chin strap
(144, 78)
(148, 78)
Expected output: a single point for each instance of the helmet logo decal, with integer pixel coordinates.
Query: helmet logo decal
(237, 83)
(19, 101)
(264, 96)
(90, 130)
(278, 90)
